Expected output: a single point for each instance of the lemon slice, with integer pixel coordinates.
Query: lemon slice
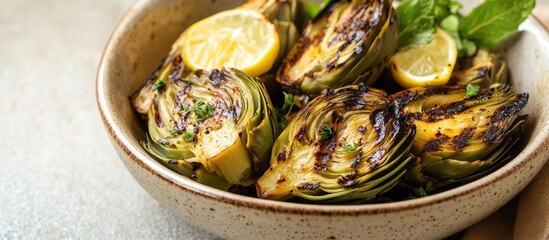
(238, 38)
(427, 65)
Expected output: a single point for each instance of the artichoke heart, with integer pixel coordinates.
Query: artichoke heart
(483, 69)
(344, 145)
(347, 43)
(460, 138)
(216, 127)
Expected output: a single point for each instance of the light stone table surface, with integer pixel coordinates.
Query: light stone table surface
(60, 178)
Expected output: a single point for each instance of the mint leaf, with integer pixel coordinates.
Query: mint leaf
(494, 20)
(416, 22)
(454, 6)
(314, 8)
(468, 48)
(444, 8)
(450, 24)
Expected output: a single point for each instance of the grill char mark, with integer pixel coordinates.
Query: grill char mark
(434, 144)
(509, 110)
(460, 141)
(348, 180)
(379, 123)
(308, 186)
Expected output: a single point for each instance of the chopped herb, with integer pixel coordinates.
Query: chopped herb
(325, 132)
(289, 102)
(159, 83)
(350, 147)
(472, 90)
(203, 113)
(188, 136)
(283, 112)
(184, 108)
(199, 104)
(176, 132)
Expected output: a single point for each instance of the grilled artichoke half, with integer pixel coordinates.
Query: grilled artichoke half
(288, 16)
(484, 69)
(460, 139)
(348, 42)
(343, 145)
(216, 127)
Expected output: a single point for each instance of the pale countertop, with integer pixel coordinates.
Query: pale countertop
(60, 177)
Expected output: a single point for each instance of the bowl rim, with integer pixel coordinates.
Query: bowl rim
(114, 130)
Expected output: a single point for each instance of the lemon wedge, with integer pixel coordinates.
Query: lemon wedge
(428, 65)
(237, 38)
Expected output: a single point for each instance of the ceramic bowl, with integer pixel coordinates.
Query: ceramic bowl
(143, 38)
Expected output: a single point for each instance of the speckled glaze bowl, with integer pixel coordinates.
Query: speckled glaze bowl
(144, 37)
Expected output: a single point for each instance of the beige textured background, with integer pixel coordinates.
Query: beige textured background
(59, 175)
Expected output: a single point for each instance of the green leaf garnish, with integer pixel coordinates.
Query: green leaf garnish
(494, 20)
(184, 108)
(314, 8)
(325, 132)
(472, 90)
(289, 102)
(159, 83)
(188, 136)
(416, 22)
(283, 112)
(204, 111)
(176, 132)
(350, 147)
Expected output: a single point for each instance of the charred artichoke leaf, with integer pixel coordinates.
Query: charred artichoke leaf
(347, 43)
(171, 68)
(344, 145)
(216, 127)
(460, 139)
(483, 69)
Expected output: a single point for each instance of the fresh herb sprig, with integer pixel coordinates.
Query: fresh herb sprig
(188, 136)
(350, 147)
(484, 27)
(159, 84)
(325, 132)
(283, 112)
(201, 110)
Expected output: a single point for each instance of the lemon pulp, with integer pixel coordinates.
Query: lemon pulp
(428, 65)
(238, 38)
